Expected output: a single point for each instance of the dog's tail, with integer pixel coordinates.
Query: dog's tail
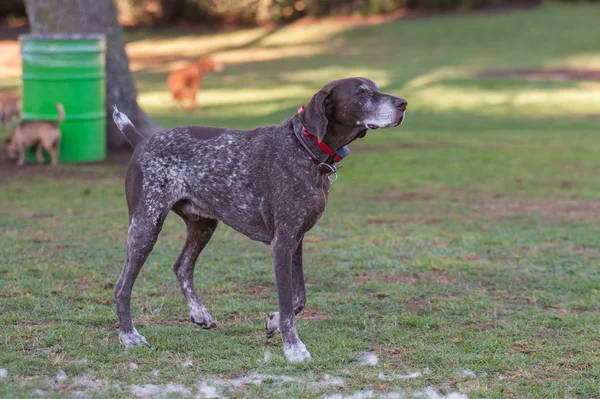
(127, 128)
(61, 113)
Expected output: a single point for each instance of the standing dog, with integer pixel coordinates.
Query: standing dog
(270, 183)
(185, 83)
(43, 134)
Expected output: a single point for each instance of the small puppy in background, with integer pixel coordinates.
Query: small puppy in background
(185, 83)
(9, 111)
(43, 134)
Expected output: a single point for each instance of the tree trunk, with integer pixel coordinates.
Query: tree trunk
(97, 16)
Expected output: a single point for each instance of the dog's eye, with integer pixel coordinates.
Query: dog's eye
(361, 90)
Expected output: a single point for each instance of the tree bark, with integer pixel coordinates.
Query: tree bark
(97, 16)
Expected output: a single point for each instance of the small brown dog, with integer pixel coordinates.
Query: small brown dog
(185, 83)
(43, 134)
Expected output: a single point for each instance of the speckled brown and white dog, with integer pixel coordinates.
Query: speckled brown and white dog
(270, 183)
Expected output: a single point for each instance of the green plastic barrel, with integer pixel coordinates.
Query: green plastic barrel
(69, 69)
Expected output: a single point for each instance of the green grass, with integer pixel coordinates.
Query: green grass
(466, 240)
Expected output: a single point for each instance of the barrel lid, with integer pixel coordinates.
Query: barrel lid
(63, 36)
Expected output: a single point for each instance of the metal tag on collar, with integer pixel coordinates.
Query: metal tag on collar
(331, 175)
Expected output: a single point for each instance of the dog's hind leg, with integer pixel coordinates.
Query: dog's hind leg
(199, 233)
(38, 153)
(144, 228)
(55, 150)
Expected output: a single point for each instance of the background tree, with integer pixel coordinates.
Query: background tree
(97, 16)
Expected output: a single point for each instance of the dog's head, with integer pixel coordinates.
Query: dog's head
(8, 112)
(12, 151)
(345, 109)
(209, 65)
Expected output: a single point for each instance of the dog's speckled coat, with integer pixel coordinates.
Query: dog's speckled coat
(261, 182)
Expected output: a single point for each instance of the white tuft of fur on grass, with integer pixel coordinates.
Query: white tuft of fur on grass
(259, 379)
(3, 373)
(431, 393)
(81, 362)
(355, 395)
(469, 374)
(465, 374)
(187, 363)
(254, 379)
(329, 381)
(133, 366)
(368, 359)
(151, 390)
(145, 390)
(268, 356)
(428, 393)
(87, 383)
(207, 391)
(392, 377)
(61, 376)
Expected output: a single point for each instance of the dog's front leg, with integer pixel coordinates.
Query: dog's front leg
(272, 326)
(284, 247)
(298, 281)
(21, 149)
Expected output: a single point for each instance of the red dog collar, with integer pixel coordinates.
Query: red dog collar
(333, 155)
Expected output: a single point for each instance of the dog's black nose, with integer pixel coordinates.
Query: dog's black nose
(400, 103)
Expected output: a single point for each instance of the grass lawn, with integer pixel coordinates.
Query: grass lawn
(462, 249)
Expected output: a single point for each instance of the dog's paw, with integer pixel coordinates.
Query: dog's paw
(133, 338)
(202, 318)
(272, 325)
(296, 353)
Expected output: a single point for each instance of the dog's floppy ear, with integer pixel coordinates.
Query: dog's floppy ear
(314, 117)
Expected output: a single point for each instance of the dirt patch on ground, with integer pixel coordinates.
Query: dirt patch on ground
(403, 196)
(390, 352)
(314, 314)
(555, 74)
(255, 290)
(500, 205)
(453, 194)
(576, 209)
(117, 164)
(404, 145)
(439, 276)
(397, 278)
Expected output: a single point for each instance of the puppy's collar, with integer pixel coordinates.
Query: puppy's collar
(326, 166)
